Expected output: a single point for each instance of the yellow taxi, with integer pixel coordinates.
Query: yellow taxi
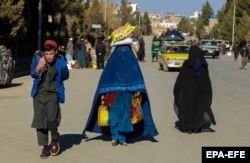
(172, 55)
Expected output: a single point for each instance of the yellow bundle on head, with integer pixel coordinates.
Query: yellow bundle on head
(122, 32)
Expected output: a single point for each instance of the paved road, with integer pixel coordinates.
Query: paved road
(231, 106)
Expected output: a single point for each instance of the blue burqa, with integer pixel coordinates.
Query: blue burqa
(122, 73)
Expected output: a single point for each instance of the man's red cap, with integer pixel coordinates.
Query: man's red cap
(51, 42)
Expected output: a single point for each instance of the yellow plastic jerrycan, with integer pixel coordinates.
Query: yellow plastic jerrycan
(103, 115)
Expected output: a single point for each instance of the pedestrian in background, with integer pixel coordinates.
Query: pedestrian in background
(48, 71)
(77, 42)
(244, 52)
(236, 51)
(89, 58)
(141, 51)
(100, 54)
(81, 53)
(69, 50)
(193, 94)
(90, 52)
(88, 44)
(223, 48)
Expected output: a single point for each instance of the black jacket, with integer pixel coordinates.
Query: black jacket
(100, 48)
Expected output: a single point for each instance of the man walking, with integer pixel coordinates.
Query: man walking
(48, 71)
(69, 50)
(100, 54)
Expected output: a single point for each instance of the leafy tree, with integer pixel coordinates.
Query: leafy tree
(242, 5)
(206, 12)
(125, 14)
(225, 20)
(185, 26)
(63, 12)
(112, 20)
(223, 30)
(243, 27)
(200, 28)
(12, 20)
(203, 21)
(96, 17)
(242, 22)
(146, 24)
(66, 9)
(216, 32)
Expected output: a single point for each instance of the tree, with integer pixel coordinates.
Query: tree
(200, 28)
(225, 20)
(203, 21)
(223, 30)
(242, 23)
(125, 14)
(67, 19)
(206, 11)
(12, 20)
(243, 27)
(112, 21)
(96, 17)
(146, 24)
(185, 26)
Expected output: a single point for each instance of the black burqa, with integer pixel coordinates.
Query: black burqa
(193, 94)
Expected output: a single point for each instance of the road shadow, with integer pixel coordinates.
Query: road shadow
(100, 137)
(11, 86)
(211, 58)
(129, 140)
(204, 128)
(67, 141)
(177, 70)
(142, 138)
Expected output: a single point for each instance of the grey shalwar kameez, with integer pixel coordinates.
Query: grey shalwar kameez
(47, 112)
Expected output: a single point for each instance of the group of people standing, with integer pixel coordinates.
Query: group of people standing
(84, 53)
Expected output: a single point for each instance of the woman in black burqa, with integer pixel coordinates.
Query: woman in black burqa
(193, 94)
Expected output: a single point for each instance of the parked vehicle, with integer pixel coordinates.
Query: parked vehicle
(7, 65)
(209, 47)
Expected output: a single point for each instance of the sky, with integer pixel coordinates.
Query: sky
(181, 7)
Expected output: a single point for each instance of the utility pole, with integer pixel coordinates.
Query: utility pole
(139, 20)
(39, 24)
(105, 11)
(105, 19)
(137, 8)
(233, 24)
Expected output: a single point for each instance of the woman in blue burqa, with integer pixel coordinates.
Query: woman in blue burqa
(120, 81)
(193, 94)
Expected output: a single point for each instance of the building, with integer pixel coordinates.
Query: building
(160, 23)
(134, 6)
(196, 15)
(155, 19)
(212, 21)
